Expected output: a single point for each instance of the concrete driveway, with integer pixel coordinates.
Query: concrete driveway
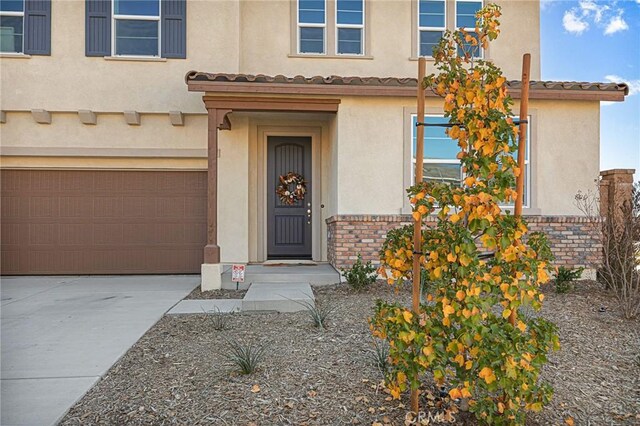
(61, 334)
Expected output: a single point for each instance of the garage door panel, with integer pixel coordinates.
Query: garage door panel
(107, 207)
(44, 234)
(76, 234)
(102, 222)
(14, 207)
(43, 206)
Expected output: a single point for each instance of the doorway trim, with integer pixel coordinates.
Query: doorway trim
(315, 133)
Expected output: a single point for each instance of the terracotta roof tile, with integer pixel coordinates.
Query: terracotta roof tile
(336, 80)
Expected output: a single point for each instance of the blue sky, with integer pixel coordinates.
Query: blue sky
(599, 41)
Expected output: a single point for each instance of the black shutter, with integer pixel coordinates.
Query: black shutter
(37, 27)
(174, 28)
(98, 27)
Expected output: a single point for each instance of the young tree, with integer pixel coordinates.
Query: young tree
(463, 334)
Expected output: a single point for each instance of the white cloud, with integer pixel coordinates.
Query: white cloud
(617, 23)
(634, 85)
(578, 19)
(573, 23)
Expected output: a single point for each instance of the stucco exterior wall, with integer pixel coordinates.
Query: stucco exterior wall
(268, 46)
(374, 136)
(68, 80)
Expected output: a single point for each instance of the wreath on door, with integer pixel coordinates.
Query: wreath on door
(291, 189)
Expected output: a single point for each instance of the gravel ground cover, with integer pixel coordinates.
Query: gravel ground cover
(215, 294)
(177, 373)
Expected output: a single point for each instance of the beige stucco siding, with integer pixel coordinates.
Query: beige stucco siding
(568, 155)
(68, 80)
(374, 139)
(267, 42)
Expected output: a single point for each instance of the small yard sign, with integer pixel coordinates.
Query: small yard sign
(237, 273)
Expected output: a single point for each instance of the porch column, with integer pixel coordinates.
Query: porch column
(211, 268)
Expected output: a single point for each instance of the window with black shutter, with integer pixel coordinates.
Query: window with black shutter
(25, 27)
(136, 28)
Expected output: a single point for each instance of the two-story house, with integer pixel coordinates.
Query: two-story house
(112, 164)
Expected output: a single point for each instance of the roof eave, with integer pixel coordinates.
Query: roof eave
(385, 91)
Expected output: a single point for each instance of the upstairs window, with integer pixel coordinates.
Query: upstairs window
(350, 27)
(136, 27)
(25, 27)
(432, 22)
(11, 26)
(437, 16)
(312, 19)
(466, 18)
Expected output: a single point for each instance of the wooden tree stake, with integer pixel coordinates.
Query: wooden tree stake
(417, 224)
(522, 143)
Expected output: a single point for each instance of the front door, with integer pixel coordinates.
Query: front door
(288, 222)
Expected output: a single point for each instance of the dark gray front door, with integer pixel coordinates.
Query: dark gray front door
(288, 226)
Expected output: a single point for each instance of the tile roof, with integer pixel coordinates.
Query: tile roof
(335, 80)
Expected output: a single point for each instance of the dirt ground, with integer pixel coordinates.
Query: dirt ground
(177, 373)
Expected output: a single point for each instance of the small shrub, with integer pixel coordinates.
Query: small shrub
(379, 355)
(219, 320)
(246, 357)
(565, 278)
(319, 312)
(360, 275)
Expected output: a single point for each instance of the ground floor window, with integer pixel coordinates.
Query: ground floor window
(440, 162)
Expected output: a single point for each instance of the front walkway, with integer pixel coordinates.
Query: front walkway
(61, 334)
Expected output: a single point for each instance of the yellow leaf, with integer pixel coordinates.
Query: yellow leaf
(522, 326)
(447, 310)
(255, 388)
(459, 359)
(455, 393)
(468, 365)
(506, 313)
(460, 295)
(569, 421)
(465, 260)
(437, 272)
(466, 393)
(541, 297)
(427, 350)
(416, 216)
(433, 255)
(402, 378)
(451, 257)
(422, 210)
(469, 180)
(407, 316)
(455, 218)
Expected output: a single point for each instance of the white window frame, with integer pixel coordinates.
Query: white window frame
(353, 26)
(480, 49)
(305, 25)
(420, 29)
(20, 14)
(527, 162)
(115, 17)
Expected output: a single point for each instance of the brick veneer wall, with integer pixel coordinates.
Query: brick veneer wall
(573, 239)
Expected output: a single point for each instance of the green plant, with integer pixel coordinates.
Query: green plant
(246, 357)
(319, 312)
(471, 332)
(219, 320)
(379, 355)
(565, 277)
(360, 275)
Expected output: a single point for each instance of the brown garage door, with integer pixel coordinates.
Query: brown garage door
(102, 222)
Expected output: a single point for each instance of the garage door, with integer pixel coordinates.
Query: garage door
(102, 222)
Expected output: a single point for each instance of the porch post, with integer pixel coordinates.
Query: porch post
(211, 270)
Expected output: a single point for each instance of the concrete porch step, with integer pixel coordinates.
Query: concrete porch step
(278, 296)
(319, 274)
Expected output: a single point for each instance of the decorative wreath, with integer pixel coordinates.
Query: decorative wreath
(291, 189)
